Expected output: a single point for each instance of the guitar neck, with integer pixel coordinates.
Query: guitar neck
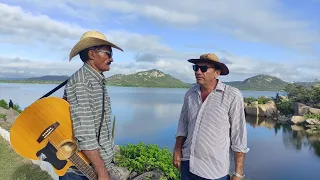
(85, 168)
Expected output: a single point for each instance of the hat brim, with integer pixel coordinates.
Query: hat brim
(89, 42)
(223, 67)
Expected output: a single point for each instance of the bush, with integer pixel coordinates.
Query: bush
(261, 100)
(303, 93)
(312, 116)
(4, 104)
(285, 107)
(143, 158)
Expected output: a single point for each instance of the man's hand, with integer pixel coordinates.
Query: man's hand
(177, 158)
(104, 176)
(98, 164)
(177, 154)
(236, 178)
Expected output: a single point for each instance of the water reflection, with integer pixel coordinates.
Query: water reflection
(293, 136)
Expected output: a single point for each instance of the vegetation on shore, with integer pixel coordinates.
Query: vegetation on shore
(296, 92)
(143, 158)
(5, 105)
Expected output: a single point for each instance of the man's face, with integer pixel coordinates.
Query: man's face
(208, 76)
(101, 58)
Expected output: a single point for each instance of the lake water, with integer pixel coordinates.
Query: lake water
(150, 115)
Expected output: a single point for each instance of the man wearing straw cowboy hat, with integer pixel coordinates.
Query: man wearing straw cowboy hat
(90, 104)
(212, 123)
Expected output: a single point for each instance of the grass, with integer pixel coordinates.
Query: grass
(15, 167)
(2, 116)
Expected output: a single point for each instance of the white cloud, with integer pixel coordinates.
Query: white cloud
(264, 21)
(251, 19)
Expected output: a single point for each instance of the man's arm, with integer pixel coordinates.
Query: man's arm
(181, 134)
(238, 134)
(84, 127)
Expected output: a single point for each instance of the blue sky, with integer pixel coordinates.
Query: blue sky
(275, 37)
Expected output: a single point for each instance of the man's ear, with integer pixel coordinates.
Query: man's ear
(91, 54)
(217, 73)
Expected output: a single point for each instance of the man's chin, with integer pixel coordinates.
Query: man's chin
(200, 81)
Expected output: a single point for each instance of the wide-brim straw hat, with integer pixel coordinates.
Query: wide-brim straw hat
(90, 39)
(211, 58)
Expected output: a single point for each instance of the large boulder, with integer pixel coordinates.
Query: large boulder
(312, 121)
(297, 119)
(267, 110)
(302, 109)
(11, 115)
(252, 110)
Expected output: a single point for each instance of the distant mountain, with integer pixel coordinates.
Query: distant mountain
(260, 82)
(151, 78)
(48, 78)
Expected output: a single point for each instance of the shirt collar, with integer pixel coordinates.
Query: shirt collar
(220, 87)
(98, 76)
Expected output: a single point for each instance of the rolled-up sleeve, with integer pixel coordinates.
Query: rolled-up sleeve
(238, 125)
(182, 129)
(82, 116)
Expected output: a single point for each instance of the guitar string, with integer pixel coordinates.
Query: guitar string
(77, 160)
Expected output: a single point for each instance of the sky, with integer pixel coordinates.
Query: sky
(275, 37)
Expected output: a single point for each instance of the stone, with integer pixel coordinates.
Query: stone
(314, 110)
(300, 109)
(252, 110)
(267, 110)
(119, 173)
(152, 175)
(297, 119)
(11, 115)
(312, 121)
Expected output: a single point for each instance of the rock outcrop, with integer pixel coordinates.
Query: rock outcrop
(268, 109)
(302, 109)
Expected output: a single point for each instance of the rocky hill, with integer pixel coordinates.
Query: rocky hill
(260, 82)
(151, 78)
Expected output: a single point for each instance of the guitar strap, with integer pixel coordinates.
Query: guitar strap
(103, 111)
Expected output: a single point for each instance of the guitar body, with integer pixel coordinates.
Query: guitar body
(43, 131)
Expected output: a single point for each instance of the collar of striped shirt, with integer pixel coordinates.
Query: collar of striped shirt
(220, 87)
(98, 76)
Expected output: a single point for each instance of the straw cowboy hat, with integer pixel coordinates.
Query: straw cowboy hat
(211, 58)
(90, 39)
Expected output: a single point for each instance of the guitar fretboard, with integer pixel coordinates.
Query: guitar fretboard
(85, 168)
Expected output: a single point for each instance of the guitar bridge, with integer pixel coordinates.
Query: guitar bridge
(47, 132)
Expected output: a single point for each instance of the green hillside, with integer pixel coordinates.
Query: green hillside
(151, 78)
(260, 82)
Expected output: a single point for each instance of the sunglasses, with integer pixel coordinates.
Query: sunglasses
(107, 52)
(202, 68)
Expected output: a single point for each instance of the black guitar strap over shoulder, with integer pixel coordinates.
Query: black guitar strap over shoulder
(103, 111)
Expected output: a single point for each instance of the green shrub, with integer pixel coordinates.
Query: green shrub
(261, 100)
(312, 116)
(303, 93)
(4, 104)
(17, 108)
(285, 107)
(143, 158)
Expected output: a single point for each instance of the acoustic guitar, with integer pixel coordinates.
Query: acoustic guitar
(43, 131)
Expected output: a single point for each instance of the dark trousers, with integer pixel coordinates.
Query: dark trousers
(187, 175)
(72, 176)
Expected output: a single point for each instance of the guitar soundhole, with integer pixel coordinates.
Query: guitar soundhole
(66, 150)
(49, 154)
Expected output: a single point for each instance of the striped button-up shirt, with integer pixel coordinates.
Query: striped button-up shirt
(84, 93)
(212, 129)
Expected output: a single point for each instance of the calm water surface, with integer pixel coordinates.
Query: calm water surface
(150, 115)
